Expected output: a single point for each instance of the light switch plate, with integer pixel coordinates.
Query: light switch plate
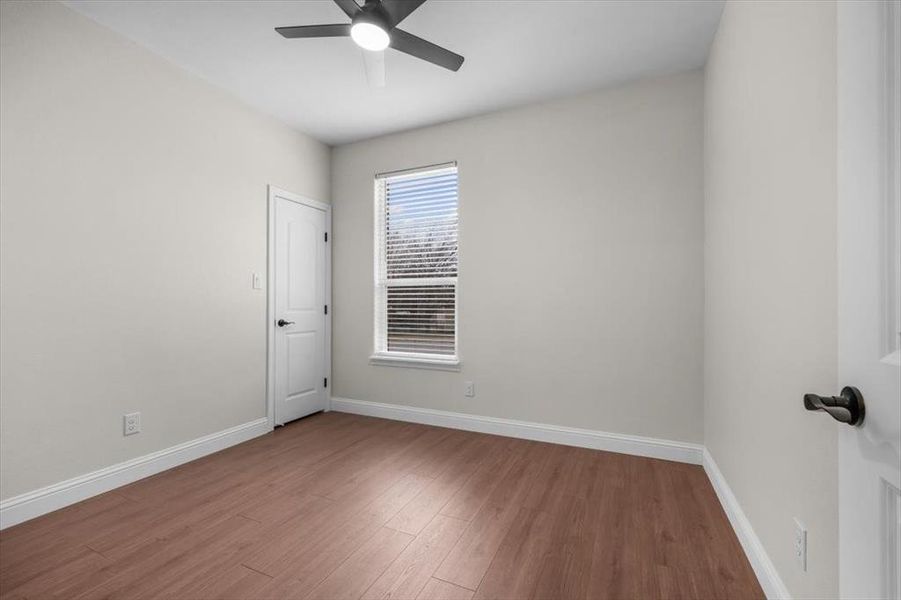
(257, 281)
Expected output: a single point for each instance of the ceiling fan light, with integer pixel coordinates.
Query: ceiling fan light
(369, 36)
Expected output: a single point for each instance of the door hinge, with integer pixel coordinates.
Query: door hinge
(326, 309)
(325, 382)
(326, 236)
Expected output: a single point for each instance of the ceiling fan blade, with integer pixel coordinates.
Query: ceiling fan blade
(399, 10)
(315, 31)
(349, 7)
(420, 48)
(374, 64)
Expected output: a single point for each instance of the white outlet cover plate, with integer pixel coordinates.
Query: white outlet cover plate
(132, 423)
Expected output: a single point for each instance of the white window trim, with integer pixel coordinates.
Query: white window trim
(417, 361)
(408, 359)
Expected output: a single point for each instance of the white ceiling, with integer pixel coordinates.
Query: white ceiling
(516, 52)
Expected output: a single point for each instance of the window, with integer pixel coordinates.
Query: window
(416, 267)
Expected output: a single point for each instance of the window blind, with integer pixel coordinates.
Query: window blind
(416, 264)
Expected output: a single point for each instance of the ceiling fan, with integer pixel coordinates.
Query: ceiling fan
(373, 27)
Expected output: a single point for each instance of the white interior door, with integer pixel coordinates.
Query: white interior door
(298, 306)
(869, 230)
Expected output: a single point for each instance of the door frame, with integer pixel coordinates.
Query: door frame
(273, 193)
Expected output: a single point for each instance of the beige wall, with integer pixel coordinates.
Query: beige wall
(581, 277)
(133, 205)
(770, 320)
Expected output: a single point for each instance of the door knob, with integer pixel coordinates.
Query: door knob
(283, 323)
(847, 408)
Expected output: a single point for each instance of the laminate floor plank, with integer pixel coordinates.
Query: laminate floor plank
(391, 465)
(608, 578)
(58, 581)
(566, 569)
(405, 578)
(469, 499)
(550, 485)
(314, 546)
(351, 459)
(197, 508)
(471, 557)
(437, 589)
(393, 456)
(414, 517)
(354, 576)
(438, 458)
(514, 571)
(346, 506)
(149, 571)
(238, 583)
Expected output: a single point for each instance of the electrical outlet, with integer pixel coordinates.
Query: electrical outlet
(801, 544)
(132, 423)
(469, 389)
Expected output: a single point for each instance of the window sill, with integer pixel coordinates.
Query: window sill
(436, 364)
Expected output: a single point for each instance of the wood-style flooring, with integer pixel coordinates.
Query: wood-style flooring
(342, 506)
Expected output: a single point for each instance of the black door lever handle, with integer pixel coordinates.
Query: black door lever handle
(283, 323)
(847, 408)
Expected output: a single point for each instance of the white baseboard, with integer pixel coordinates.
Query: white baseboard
(38, 502)
(556, 434)
(760, 561)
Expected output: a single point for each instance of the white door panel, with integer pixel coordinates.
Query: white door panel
(869, 226)
(303, 352)
(299, 289)
(303, 255)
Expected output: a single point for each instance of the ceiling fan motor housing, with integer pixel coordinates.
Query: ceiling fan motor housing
(373, 13)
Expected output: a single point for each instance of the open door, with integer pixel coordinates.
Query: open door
(869, 301)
